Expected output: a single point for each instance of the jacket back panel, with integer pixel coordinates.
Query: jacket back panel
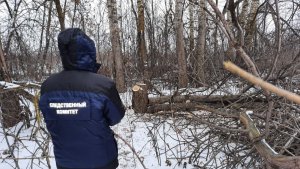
(78, 108)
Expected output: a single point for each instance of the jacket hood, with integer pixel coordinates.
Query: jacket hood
(77, 50)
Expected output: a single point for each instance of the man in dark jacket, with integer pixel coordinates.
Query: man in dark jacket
(79, 105)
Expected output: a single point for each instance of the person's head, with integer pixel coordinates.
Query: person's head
(77, 50)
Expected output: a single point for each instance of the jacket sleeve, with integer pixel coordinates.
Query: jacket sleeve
(114, 109)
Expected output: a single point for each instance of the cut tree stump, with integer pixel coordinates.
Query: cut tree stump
(140, 98)
(10, 108)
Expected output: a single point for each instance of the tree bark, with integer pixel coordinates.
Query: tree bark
(10, 108)
(116, 44)
(45, 52)
(251, 24)
(191, 24)
(140, 98)
(4, 73)
(244, 13)
(141, 103)
(215, 35)
(61, 15)
(200, 69)
(182, 68)
(203, 99)
(141, 44)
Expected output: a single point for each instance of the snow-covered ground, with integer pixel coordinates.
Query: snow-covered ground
(160, 142)
(156, 150)
(153, 140)
(6, 85)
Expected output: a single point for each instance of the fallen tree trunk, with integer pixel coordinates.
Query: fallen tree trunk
(221, 99)
(189, 106)
(204, 98)
(273, 158)
(141, 103)
(172, 107)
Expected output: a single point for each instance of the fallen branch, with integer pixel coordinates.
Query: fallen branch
(215, 126)
(264, 149)
(259, 82)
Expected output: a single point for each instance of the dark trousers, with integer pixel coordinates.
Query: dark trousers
(84, 168)
(112, 165)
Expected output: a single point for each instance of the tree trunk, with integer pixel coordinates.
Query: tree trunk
(153, 52)
(224, 100)
(61, 15)
(11, 110)
(13, 13)
(200, 73)
(142, 104)
(191, 24)
(116, 44)
(244, 13)
(215, 36)
(166, 32)
(182, 68)
(4, 73)
(45, 53)
(140, 98)
(251, 24)
(141, 44)
(40, 64)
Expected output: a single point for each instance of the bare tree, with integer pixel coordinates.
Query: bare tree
(141, 43)
(180, 52)
(4, 73)
(244, 13)
(116, 44)
(251, 24)
(191, 25)
(46, 49)
(61, 15)
(200, 51)
(13, 14)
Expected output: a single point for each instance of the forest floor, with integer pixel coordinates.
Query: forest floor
(154, 139)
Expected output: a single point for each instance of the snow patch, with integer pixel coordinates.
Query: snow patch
(6, 85)
(249, 112)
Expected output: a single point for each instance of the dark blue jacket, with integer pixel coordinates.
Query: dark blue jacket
(79, 105)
